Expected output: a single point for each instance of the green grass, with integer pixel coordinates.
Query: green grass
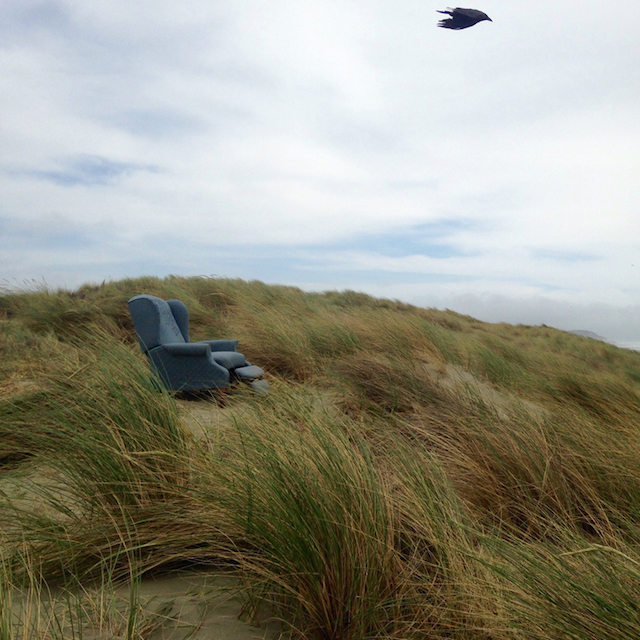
(413, 474)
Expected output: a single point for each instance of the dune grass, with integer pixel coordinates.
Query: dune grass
(413, 474)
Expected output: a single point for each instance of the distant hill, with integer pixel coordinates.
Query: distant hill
(589, 334)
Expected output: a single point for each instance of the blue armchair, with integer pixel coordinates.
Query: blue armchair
(162, 327)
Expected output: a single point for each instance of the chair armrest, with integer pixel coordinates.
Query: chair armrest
(220, 345)
(194, 349)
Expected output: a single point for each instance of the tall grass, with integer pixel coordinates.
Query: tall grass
(107, 608)
(344, 541)
(589, 592)
(414, 473)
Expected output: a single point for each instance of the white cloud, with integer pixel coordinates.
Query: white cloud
(304, 133)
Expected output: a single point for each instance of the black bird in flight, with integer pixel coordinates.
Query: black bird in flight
(462, 18)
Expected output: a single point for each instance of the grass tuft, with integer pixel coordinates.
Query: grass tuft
(413, 473)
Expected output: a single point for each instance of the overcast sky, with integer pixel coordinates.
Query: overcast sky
(330, 144)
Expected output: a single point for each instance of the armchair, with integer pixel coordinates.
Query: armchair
(162, 327)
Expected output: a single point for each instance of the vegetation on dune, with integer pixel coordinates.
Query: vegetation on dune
(413, 474)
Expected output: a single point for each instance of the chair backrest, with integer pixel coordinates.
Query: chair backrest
(181, 315)
(158, 321)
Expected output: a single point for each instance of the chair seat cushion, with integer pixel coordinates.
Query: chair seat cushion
(229, 359)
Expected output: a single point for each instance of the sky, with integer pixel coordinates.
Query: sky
(330, 145)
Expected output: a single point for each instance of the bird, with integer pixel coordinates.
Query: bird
(462, 18)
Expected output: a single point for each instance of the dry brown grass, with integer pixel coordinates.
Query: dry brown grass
(414, 473)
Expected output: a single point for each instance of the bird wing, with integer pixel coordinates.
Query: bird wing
(457, 21)
(470, 13)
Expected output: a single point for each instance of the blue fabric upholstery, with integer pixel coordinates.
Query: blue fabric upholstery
(181, 316)
(184, 373)
(154, 322)
(250, 372)
(222, 345)
(162, 327)
(228, 359)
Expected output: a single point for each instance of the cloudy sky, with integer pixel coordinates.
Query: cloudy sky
(330, 144)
